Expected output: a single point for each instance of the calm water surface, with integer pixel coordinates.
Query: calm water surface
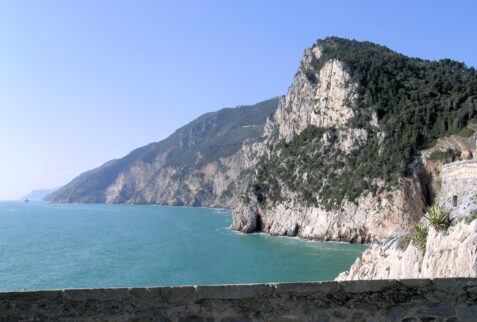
(48, 246)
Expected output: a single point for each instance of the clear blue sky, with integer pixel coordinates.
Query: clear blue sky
(82, 82)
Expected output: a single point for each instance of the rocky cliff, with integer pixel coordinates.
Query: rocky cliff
(447, 253)
(444, 245)
(198, 165)
(340, 159)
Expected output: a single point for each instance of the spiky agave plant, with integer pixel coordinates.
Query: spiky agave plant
(438, 218)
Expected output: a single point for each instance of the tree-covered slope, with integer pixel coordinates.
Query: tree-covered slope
(341, 159)
(209, 138)
(413, 101)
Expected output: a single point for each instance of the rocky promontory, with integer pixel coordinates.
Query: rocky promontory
(343, 157)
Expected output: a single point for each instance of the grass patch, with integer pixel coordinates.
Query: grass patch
(420, 236)
(447, 156)
(403, 242)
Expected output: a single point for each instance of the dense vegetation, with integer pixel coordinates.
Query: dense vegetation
(416, 102)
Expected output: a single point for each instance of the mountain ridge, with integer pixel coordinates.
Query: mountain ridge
(209, 138)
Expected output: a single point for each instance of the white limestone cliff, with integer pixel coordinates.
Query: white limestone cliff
(448, 253)
(323, 98)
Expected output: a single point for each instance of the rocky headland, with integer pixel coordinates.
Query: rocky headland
(342, 159)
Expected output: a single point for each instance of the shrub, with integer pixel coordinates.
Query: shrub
(403, 242)
(438, 218)
(447, 156)
(420, 236)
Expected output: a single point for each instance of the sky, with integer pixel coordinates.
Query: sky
(84, 82)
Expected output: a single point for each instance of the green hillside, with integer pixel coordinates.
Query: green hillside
(416, 101)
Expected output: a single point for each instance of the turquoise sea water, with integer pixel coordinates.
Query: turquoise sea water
(51, 246)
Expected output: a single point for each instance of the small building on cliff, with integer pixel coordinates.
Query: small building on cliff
(459, 183)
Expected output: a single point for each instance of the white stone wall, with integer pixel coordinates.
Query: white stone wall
(459, 179)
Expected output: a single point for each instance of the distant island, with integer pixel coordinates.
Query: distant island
(39, 194)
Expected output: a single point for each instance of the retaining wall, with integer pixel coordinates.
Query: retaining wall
(452, 299)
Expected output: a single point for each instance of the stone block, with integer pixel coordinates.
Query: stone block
(415, 283)
(452, 282)
(440, 310)
(317, 288)
(320, 317)
(193, 318)
(100, 294)
(235, 319)
(468, 313)
(369, 286)
(396, 313)
(233, 292)
(31, 295)
(146, 294)
(340, 314)
(179, 294)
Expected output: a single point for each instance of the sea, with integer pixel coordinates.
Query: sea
(57, 246)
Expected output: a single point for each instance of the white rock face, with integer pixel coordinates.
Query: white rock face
(323, 98)
(323, 102)
(361, 222)
(134, 184)
(451, 253)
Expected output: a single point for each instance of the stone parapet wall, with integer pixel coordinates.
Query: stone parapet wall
(459, 179)
(451, 299)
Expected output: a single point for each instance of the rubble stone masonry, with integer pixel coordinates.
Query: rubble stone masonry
(450, 299)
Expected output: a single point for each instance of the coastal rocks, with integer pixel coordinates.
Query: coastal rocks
(448, 253)
(245, 219)
(361, 222)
